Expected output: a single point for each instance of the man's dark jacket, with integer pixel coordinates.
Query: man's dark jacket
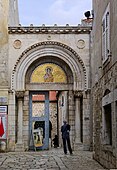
(65, 131)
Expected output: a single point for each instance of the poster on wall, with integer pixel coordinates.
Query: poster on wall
(3, 122)
(38, 137)
(3, 125)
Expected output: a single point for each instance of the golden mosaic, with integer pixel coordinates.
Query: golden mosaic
(48, 73)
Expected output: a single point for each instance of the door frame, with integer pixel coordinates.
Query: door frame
(45, 118)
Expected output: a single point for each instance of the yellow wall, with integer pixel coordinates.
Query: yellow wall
(3, 22)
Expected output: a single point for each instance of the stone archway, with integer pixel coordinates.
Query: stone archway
(49, 48)
(57, 53)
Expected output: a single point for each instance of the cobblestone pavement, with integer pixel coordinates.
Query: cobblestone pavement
(53, 159)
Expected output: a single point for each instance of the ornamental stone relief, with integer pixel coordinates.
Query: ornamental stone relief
(81, 44)
(78, 93)
(49, 37)
(49, 44)
(17, 44)
(19, 94)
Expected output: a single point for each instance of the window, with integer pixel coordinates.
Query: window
(107, 125)
(106, 34)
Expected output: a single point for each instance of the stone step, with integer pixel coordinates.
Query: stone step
(19, 147)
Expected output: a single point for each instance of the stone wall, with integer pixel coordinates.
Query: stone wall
(4, 56)
(13, 19)
(3, 44)
(104, 87)
(105, 154)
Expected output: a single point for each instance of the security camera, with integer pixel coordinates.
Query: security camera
(87, 14)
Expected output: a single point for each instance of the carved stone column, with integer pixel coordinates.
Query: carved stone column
(77, 95)
(87, 120)
(71, 115)
(20, 95)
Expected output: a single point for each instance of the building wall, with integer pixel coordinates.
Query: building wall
(75, 43)
(3, 43)
(3, 57)
(26, 40)
(104, 78)
(13, 19)
(19, 42)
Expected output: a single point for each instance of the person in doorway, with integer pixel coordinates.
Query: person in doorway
(55, 141)
(65, 129)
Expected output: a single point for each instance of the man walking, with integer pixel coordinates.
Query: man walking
(65, 129)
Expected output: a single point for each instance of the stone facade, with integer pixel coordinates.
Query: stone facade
(16, 55)
(89, 98)
(25, 49)
(104, 86)
(3, 56)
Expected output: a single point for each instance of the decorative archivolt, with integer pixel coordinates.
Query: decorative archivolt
(49, 48)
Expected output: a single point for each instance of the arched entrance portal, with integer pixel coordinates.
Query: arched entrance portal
(67, 78)
(45, 117)
(45, 114)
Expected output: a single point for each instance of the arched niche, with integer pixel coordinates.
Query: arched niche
(48, 72)
(62, 74)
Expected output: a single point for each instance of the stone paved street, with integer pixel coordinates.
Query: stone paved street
(53, 159)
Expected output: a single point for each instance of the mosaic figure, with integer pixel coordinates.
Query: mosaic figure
(48, 77)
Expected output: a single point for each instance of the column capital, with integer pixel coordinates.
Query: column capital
(87, 91)
(19, 94)
(10, 91)
(78, 93)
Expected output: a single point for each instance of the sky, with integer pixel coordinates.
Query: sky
(50, 12)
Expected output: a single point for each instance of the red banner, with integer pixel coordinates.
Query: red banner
(1, 127)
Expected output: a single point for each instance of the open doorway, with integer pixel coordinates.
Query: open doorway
(39, 120)
(48, 109)
(43, 119)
